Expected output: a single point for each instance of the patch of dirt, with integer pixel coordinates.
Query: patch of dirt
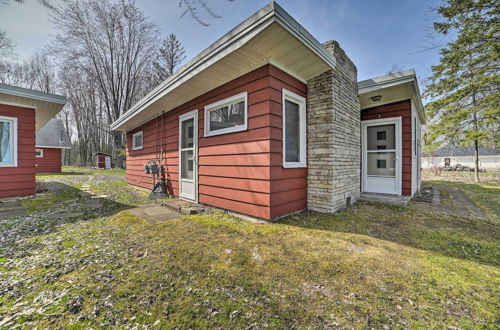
(425, 195)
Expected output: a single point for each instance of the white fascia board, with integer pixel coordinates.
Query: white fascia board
(51, 147)
(387, 84)
(230, 42)
(32, 94)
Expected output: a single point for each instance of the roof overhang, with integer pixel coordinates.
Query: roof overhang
(46, 105)
(270, 36)
(51, 147)
(389, 89)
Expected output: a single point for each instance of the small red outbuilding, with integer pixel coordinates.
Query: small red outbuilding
(50, 141)
(103, 160)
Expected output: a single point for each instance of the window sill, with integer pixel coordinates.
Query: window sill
(294, 165)
(137, 148)
(226, 131)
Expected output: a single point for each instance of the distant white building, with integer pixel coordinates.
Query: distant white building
(489, 159)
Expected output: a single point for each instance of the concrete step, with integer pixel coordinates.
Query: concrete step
(385, 199)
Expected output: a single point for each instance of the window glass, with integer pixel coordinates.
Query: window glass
(381, 137)
(292, 131)
(228, 116)
(187, 164)
(187, 133)
(137, 141)
(6, 143)
(39, 153)
(382, 164)
(415, 138)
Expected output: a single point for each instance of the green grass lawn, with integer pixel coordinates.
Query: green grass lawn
(371, 266)
(75, 170)
(458, 176)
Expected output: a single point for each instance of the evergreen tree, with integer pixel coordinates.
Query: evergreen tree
(170, 56)
(464, 87)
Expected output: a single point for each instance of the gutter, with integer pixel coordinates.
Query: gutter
(31, 94)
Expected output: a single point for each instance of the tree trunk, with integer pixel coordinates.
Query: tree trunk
(118, 145)
(476, 142)
(476, 161)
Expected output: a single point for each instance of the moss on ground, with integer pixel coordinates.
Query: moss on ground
(371, 266)
(82, 171)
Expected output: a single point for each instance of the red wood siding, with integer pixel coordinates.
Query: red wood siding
(50, 162)
(101, 161)
(238, 171)
(20, 180)
(398, 109)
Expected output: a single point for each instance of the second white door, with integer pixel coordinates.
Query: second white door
(188, 149)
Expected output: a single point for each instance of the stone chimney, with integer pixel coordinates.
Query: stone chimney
(333, 136)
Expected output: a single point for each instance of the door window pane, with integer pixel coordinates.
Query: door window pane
(382, 163)
(6, 134)
(188, 133)
(187, 164)
(292, 132)
(381, 137)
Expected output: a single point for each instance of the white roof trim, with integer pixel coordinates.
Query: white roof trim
(51, 147)
(32, 94)
(230, 42)
(394, 79)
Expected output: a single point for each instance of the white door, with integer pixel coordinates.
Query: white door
(382, 155)
(188, 149)
(108, 162)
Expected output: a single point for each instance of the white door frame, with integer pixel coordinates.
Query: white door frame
(194, 115)
(399, 148)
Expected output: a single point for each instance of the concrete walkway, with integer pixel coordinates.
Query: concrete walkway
(155, 213)
(11, 208)
(450, 201)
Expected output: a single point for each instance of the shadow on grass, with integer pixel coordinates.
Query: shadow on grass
(465, 238)
(61, 204)
(47, 175)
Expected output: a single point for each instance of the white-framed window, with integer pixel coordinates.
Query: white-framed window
(39, 153)
(294, 130)
(227, 116)
(8, 141)
(137, 141)
(415, 136)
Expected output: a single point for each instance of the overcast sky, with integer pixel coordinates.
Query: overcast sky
(375, 34)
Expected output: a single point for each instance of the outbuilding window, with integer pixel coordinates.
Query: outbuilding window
(137, 141)
(8, 141)
(226, 116)
(294, 130)
(39, 153)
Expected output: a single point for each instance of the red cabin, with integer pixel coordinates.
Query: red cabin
(50, 142)
(22, 113)
(103, 161)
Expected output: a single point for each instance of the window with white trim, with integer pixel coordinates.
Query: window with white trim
(8, 141)
(39, 153)
(415, 137)
(226, 116)
(137, 141)
(294, 130)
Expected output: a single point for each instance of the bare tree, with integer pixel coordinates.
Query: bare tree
(6, 45)
(86, 111)
(45, 3)
(114, 44)
(37, 72)
(170, 56)
(395, 68)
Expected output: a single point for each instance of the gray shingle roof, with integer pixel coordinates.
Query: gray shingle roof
(53, 135)
(450, 152)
